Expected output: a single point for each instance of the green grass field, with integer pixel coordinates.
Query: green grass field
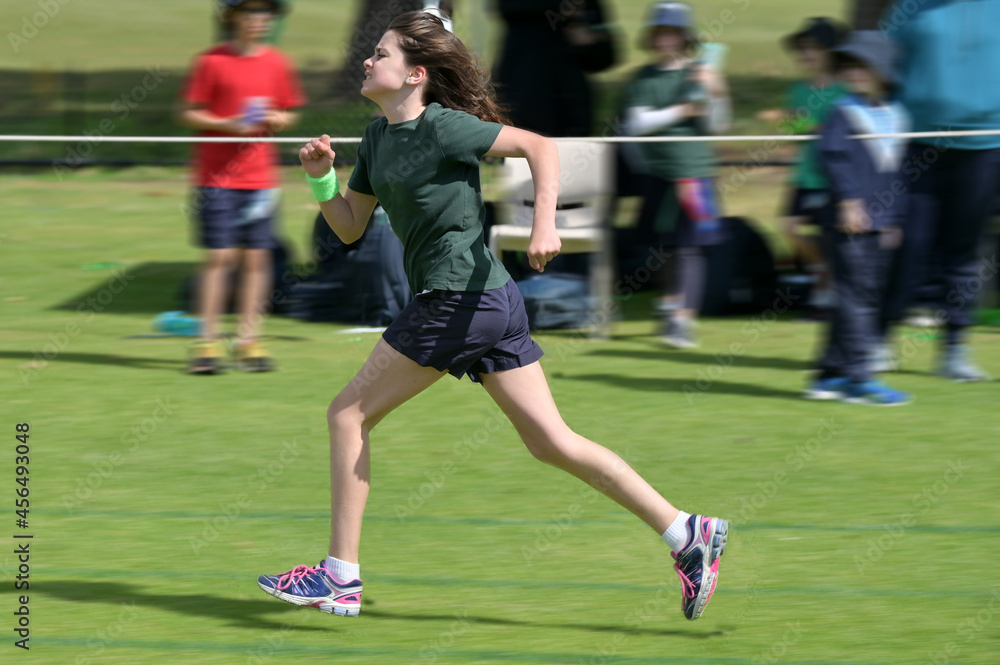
(860, 535)
(68, 71)
(103, 35)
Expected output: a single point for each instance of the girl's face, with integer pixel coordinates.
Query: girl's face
(387, 70)
(860, 79)
(668, 40)
(811, 57)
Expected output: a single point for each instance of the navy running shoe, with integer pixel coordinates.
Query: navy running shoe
(314, 587)
(697, 564)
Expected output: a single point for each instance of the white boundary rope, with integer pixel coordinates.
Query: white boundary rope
(27, 138)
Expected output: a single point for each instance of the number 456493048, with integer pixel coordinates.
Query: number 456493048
(22, 460)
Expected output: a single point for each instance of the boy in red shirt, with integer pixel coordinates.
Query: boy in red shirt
(241, 87)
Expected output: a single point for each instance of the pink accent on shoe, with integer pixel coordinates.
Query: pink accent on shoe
(706, 530)
(708, 597)
(715, 578)
(295, 575)
(687, 586)
(337, 580)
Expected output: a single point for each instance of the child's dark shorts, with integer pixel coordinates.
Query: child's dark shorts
(229, 218)
(811, 203)
(465, 332)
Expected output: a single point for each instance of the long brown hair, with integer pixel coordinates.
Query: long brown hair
(454, 78)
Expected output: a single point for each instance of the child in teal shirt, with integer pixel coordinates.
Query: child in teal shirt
(809, 103)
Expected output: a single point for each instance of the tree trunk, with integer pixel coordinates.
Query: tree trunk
(373, 18)
(867, 13)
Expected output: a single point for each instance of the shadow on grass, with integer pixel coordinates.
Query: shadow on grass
(95, 359)
(148, 288)
(238, 612)
(723, 358)
(687, 386)
(245, 613)
(494, 621)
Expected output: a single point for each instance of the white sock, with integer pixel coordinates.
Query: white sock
(676, 536)
(343, 571)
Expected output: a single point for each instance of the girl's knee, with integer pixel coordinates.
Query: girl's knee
(341, 413)
(548, 448)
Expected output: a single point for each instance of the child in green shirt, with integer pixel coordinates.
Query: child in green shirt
(809, 103)
(421, 163)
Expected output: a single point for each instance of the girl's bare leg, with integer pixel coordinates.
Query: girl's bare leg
(523, 395)
(387, 380)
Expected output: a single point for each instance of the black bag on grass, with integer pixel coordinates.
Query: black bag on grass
(362, 283)
(740, 274)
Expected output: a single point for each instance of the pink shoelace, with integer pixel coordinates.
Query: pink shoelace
(687, 586)
(295, 575)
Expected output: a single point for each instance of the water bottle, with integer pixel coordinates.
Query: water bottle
(254, 112)
(177, 323)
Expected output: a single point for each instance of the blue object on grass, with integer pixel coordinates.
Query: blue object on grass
(177, 323)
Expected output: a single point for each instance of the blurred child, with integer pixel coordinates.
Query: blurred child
(862, 220)
(239, 88)
(809, 102)
(678, 96)
(950, 74)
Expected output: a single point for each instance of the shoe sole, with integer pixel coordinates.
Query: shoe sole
(322, 604)
(205, 370)
(963, 379)
(250, 369)
(823, 395)
(717, 538)
(682, 345)
(861, 400)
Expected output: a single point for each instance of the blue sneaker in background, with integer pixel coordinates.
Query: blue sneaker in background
(875, 393)
(827, 389)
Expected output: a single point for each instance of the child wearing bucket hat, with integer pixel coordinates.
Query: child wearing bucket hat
(677, 95)
(809, 102)
(862, 222)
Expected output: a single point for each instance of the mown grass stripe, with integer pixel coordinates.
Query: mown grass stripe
(400, 654)
(512, 583)
(497, 522)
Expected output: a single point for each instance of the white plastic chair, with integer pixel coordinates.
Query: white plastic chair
(585, 191)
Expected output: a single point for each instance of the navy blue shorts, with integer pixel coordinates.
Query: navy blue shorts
(230, 218)
(465, 332)
(811, 203)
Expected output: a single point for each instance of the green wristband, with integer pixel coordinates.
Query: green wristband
(324, 188)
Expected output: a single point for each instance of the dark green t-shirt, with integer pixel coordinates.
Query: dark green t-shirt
(660, 88)
(809, 107)
(425, 173)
